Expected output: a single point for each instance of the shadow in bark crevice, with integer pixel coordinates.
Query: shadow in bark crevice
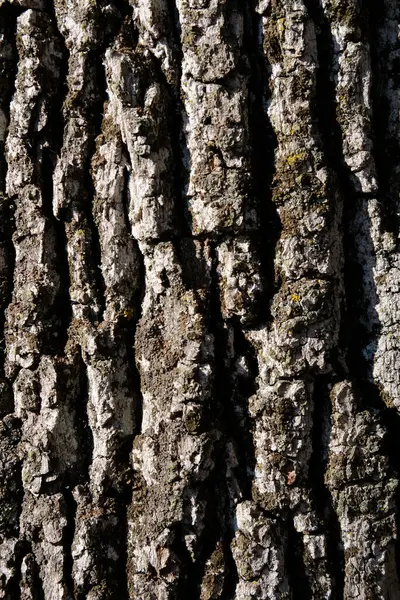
(263, 142)
(128, 328)
(9, 65)
(82, 426)
(68, 539)
(118, 569)
(238, 417)
(320, 492)
(385, 107)
(48, 147)
(215, 494)
(24, 550)
(296, 570)
(178, 117)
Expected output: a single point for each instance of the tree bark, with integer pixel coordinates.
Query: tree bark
(199, 278)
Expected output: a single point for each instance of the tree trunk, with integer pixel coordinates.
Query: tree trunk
(199, 277)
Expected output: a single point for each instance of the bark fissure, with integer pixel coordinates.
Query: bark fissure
(383, 103)
(62, 306)
(83, 429)
(87, 209)
(177, 119)
(221, 499)
(263, 143)
(298, 580)
(68, 539)
(322, 496)
(9, 65)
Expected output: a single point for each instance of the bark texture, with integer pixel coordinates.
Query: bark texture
(199, 283)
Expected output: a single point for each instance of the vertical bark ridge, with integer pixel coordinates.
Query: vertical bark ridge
(24, 156)
(362, 321)
(290, 47)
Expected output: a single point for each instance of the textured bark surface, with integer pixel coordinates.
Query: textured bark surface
(199, 279)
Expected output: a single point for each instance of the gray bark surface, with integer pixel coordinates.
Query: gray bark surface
(199, 316)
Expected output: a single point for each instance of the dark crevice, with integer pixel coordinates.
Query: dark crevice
(53, 90)
(321, 495)
(57, 327)
(134, 371)
(263, 143)
(63, 308)
(123, 491)
(8, 68)
(296, 570)
(68, 539)
(324, 107)
(237, 417)
(48, 147)
(222, 397)
(36, 582)
(220, 502)
(391, 421)
(95, 120)
(125, 196)
(176, 34)
(188, 585)
(118, 570)
(123, 6)
(176, 116)
(231, 576)
(137, 300)
(82, 426)
(195, 270)
(353, 334)
(13, 589)
(181, 175)
(215, 494)
(386, 148)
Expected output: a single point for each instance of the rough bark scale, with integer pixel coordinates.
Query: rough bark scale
(199, 271)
